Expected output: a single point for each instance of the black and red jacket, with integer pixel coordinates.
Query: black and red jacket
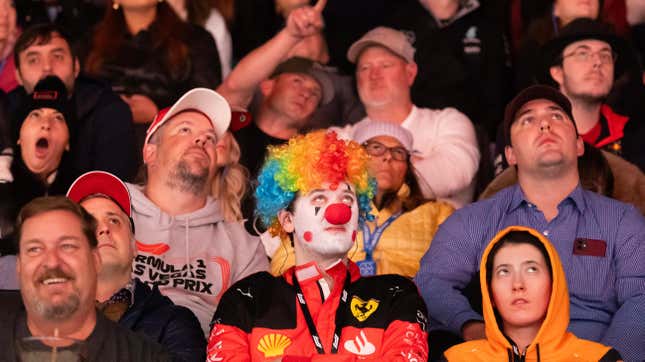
(259, 318)
(620, 135)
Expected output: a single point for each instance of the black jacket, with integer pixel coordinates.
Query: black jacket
(108, 342)
(139, 67)
(25, 187)
(103, 137)
(174, 327)
(464, 64)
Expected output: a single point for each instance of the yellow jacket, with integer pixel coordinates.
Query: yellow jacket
(552, 342)
(399, 249)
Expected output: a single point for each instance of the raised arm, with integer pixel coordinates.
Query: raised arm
(239, 86)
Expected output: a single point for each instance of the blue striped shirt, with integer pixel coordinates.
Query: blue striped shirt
(607, 293)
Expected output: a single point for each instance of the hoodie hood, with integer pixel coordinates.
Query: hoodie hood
(555, 323)
(465, 7)
(552, 342)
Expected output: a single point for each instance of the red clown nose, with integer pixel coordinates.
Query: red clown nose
(338, 214)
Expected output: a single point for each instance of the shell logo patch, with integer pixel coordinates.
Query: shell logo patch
(362, 309)
(273, 344)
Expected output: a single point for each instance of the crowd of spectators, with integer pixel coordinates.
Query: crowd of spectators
(165, 120)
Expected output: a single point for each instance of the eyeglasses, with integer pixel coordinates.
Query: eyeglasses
(584, 55)
(375, 148)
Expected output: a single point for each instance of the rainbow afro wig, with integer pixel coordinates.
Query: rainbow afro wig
(306, 163)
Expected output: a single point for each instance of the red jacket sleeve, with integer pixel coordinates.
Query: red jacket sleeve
(227, 343)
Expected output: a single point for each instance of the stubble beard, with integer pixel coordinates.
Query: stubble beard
(59, 311)
(185, 180)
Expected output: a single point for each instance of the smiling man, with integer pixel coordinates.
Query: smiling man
(57, 267)
(122, 298)
(185, 246)
(316, 189)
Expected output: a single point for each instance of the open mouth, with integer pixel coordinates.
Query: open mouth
(42, 143)
(42, 146)
(53, 281)
(54, 277)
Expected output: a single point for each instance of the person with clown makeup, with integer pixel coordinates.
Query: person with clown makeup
(316, 191)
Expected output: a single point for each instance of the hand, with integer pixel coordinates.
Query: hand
(473, 330)
(284, 7)
(143, 108)
(8, 31)
(306, 20)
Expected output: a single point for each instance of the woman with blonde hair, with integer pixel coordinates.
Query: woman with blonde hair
(231, 179)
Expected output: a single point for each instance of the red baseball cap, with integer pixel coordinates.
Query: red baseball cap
(101, 183)
(203, 100)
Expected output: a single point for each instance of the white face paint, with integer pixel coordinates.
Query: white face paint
(326, 220)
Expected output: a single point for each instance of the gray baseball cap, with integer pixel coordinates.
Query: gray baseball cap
(396, 41)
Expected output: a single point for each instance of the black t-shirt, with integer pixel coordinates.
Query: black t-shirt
(108, 342)
(253, 149)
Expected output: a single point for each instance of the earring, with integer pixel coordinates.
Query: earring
(115, 5)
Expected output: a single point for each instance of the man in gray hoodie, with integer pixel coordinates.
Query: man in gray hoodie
(184, 245)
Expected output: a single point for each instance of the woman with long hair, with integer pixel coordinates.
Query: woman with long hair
(204, 13)
(150, 57)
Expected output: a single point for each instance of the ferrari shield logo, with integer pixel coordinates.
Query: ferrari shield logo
(362, 309)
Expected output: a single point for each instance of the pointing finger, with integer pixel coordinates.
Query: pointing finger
(320, 5)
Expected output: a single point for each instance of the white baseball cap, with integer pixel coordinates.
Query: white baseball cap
(203, 100)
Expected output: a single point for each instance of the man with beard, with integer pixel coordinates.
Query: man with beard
(584, 60)
(447, 156)
(601, 241)
(184, 244)
(122, 298)
(57, 266)
(316, 188)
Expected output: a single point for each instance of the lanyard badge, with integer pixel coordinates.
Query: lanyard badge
(370, 240)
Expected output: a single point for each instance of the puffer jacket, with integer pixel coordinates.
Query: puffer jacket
(174, 327)
(552, 342)
(401, 246)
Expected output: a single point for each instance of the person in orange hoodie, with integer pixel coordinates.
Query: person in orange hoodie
(525, 303)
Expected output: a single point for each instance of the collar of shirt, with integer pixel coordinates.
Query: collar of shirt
(125, 294)
(519, 199)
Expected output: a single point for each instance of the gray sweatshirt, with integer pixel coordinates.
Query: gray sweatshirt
(193, 257)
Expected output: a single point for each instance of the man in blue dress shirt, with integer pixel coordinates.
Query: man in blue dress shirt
(601, 241)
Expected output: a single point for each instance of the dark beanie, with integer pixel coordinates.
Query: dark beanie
(49, 92)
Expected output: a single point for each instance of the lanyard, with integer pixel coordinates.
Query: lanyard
(310, 322)
(371, 239)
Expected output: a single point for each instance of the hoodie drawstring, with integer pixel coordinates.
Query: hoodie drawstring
(190, 271)
(537, 348)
